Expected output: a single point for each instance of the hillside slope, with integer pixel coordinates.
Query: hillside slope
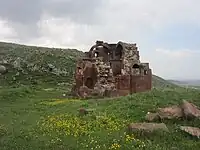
(162, 83)
(186, 83)
(43, 117)
(32, 65)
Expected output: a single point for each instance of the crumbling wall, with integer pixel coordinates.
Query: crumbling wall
(105, 81)
(116, 66)
(123, 84)
(112, 70)
(140, 84)
(130, 58)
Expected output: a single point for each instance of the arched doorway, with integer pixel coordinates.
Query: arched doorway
(89, 83)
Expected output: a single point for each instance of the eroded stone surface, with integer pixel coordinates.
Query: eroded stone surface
(190, 110)
(3, 69)
(147, 127)
(112, 69)
(194, 131)
(185, 110)
(84, 91)
(172, 112)
(152, 117)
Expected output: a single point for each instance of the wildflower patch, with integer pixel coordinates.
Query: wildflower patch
(77, 126)
(101, 132)
(3, 130)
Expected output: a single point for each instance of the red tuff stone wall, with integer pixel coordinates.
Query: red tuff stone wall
(127, 84)
(123, 82)
(120, 56)
(123, 85)
(141, 83)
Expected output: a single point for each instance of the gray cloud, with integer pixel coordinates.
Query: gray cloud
(29, 11)
(78, 23)
(23, 15)
(81, 11)
(22, 11)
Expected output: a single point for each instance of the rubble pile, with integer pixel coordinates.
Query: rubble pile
(105, 83)
(186, 110)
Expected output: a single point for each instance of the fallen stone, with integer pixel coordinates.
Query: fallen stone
(186, 109)
(84, 111)
(3, 69)
(147, 127)
(190, 110)
(152, 117)
(191, 130)
(84, 91)
(173, 112)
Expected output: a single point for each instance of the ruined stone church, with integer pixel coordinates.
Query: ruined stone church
(111, 70)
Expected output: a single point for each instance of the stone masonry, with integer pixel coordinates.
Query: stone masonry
(111, 70)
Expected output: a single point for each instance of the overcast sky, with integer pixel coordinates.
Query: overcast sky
(167, 32)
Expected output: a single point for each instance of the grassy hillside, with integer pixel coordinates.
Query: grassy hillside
(37, 65)
(161, 83)
(186, 83)
(35, 115)
(45, 120)
(32, 65)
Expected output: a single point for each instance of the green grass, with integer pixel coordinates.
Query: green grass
(34, 115)
(34, 63)
(33, 118)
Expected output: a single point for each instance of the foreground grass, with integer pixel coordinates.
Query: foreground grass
(41, 119)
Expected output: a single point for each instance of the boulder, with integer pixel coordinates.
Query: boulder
(84, 91)
(152, 117)
(190, 110)
(186, 109)
(147, 127)
(3, 69)
(191, 130)
(173, 112)
(84, 111)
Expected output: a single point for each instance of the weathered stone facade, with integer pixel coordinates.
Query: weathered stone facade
(112, 70)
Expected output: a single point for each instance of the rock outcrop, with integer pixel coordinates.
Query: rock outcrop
(186, 110)
(147, 127)
(194, 131)
(3, 69)
(190, 110)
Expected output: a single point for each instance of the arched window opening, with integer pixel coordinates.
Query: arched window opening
(145, 72)
(96, 54)
(50, 69)
(136, 69)
(79, 69)
(136, 66)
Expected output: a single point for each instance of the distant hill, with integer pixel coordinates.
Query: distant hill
(162, 83)
(32, 64)
(186, 82)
